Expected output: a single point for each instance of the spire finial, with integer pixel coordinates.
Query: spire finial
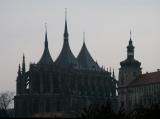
(110, 69)
(113, 74)
(19, 69)
(46, 39)
(23, 64)
(130, 34)
(45, 26)
(23, 58)
(66, 29)
(83, 36)
(65, 14)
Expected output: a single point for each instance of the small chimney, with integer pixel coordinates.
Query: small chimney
(158, 70)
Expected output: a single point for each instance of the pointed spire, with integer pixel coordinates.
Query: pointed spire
(19, 70)
(46, 57)
(84, 44)
(113, 74)
(23, 64)
(130, 48)
(130, 40)
(66, 29)
(83, 37)
(130, 34)
(65, 14)
(110, 70)
(85, 59)
(66, 57)
(46, 38)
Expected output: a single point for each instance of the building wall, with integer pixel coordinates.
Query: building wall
(142, 95)
(59, 90)
(145, 95)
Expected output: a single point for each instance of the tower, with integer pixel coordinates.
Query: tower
(46, 58)
(18, 81)
(130, 69)
(66, 58)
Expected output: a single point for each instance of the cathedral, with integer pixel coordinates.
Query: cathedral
(66, 85)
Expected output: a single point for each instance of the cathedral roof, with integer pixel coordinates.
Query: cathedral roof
(85, 59)
(66, 57)
(148, 78)
(46, 58)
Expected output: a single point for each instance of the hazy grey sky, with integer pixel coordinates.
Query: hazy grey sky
(106, 24)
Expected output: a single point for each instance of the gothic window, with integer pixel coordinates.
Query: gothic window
(92, 87)
(56, 84)
(76, 88)
(27, 85)
(134, 74)
(25, 109)
(47, 106)
(36, 83)
(58, 107)
(122, 103)
(122, 79)
(35, 106)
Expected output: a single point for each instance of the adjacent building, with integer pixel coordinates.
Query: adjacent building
(134, 88)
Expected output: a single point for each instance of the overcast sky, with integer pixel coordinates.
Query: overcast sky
(106, 24)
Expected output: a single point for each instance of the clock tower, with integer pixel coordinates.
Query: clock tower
(130, 69)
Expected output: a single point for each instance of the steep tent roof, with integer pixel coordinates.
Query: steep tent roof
(66, 57)
(46, 58)
(85, 59)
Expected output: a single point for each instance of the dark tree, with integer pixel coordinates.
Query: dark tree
(6, 99)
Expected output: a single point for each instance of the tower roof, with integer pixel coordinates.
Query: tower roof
(46, 57)
(66, 57)
(85, 59)
(130, 45)
(130, 61)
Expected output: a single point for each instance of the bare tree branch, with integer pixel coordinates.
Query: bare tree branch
(6, 98)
